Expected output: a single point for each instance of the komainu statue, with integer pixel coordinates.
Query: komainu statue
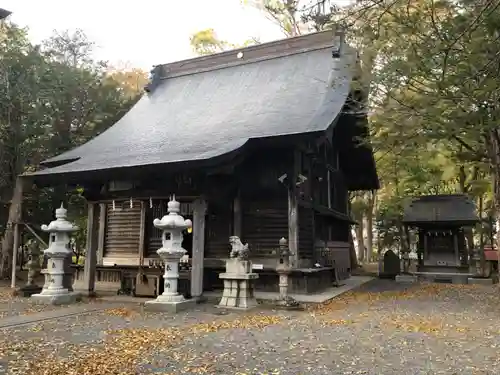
(238, 250)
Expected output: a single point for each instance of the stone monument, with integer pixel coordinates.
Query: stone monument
(283, 268)
(56, 290)
(238, 285)
(171, 253)
(31, 286)
(405, 276)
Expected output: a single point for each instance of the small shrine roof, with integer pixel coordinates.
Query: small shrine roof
(457, 209)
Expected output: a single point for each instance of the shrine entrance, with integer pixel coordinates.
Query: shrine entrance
(441, 247)
(441, 224)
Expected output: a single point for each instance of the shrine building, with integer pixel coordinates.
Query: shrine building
(262, 142)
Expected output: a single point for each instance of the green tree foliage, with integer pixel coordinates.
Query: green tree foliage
(432, 72)
(53, 97)
(206, 42)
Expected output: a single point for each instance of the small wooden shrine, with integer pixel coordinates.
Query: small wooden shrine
(441, 222)
(262, 143)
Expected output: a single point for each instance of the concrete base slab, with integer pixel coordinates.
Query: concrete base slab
(86, 293)
(283, 305)
(236, 308)
(443, 277)
(199, 299)
(406, 279)
(214, 297)
(57, 299)
(28, 290)
(351, 283)
(169, 307)
(481, 281)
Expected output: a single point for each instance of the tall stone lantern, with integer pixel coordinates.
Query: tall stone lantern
(284, 269)
(171, 252)
(56, 289)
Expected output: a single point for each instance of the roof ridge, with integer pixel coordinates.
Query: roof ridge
(248, 55)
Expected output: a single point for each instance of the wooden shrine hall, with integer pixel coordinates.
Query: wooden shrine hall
(262, 142)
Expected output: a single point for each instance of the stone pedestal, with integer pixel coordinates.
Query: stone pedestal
(170, 300)
(56, 290)
(171, 253)
(238, 286)
(406, 278)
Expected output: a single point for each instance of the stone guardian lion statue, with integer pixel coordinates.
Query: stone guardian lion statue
(238, 250)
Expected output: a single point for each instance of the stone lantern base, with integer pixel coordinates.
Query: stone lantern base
(288, 303)
(56, 298)
(169, 304)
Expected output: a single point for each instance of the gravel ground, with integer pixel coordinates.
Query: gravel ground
(381, 328)
(12, 306)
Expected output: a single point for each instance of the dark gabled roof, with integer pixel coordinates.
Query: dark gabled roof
(453, 209)
(4, 13)
(210, 106)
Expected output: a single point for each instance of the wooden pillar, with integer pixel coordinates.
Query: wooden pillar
(426, 247)
(102, 233)
(199, 212)
(14, 254)
(237, 216)
(293, 212)
(455, 247)
(142, 234)
(91, 253)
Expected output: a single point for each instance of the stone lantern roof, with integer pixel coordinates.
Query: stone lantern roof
(173, 219)
(60, 224)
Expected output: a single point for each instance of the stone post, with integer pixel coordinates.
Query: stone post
(405, 258)
(31, 286)
(171, 253)
(56, 290)
(283, 268)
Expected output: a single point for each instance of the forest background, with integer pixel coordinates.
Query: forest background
(432, 67)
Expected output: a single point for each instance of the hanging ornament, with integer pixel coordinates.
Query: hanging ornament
(150, 202)
(114, 205)
(131, 203)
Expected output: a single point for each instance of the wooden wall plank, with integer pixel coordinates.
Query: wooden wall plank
(123, 226)
(217, 231)
(264, 223)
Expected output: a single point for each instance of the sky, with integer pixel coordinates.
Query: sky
(142, 33)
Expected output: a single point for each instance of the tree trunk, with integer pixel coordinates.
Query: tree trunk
(369, 226)
(380, 259)
(493, 146)
(360, 240)
(464, 189)
(15, 210)
(352, 252)
(481, 236)
(496, 205)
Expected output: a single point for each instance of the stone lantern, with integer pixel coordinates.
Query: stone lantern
(283, 269)
(57, 290)
(171, 253)
(33, 265)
